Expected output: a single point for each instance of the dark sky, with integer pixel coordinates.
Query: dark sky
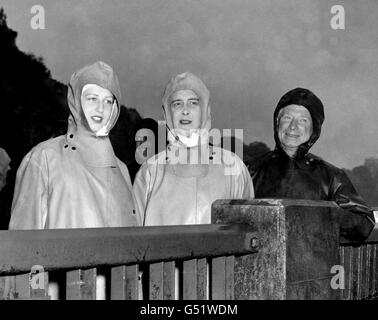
(248, 52)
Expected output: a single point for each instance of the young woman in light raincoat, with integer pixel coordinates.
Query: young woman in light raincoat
(170, 192)
(75, 180)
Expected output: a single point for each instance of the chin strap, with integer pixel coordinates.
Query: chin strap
(104, 131)
(191, 141)
(197, 137)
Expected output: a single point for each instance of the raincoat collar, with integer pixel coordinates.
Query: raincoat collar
(302, 161)
(94, 151)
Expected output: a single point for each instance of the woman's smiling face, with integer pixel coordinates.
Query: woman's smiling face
(97, 103)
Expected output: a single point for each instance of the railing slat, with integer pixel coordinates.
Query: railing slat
(125, 283)
(190, 279)
(81, 284)
(356, 273)
(88, 290)
(371, 269)
(365, 256)
(218, 282)
(230, 271)
(132, 282)
(118, 283)
(342, 263)
(169, 285)
(22, 289)
(9, 289)
(223, 271)
(3, 288)
(156, 281)
(348, 275)
(202, 279)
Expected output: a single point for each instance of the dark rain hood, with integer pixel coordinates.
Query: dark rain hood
(95, 150)
(312, 103)
(308, 177)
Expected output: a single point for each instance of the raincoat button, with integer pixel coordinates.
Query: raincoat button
(211, 157)
(73, 148)
(133, 211)
(71, 136)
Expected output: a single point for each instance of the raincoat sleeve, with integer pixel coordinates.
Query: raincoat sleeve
(358, 220)
(141, 188)
(242, 185)
(245, 181)
(125, 172)
(29, 206)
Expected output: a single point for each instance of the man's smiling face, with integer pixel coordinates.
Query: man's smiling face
(294, 127)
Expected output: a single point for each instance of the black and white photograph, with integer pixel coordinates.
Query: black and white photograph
(209, 151)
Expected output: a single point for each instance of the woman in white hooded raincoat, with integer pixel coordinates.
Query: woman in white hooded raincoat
(170, 192)
(75, 180)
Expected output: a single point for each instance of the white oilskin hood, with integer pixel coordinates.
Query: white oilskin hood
(188, 81)
(94, 147)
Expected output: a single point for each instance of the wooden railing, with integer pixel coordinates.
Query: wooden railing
(255, 249)
(172, 260)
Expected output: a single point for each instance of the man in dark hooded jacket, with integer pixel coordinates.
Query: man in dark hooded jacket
(290, 171)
